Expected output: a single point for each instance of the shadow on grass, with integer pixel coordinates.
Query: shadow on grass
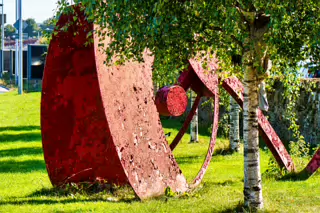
(190, 159)
(177, 123)
(236, 209)
(20, 152)
(226, 182)
(296, 176)
(12, 166)
(240, 208)
(224, 150)
(75, 195)
(24, 137)
(94, 190)
(42, 201)
(19, 128)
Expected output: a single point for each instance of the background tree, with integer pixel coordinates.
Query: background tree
(32, 29)
(177, 30)
(194, 125)
(48, 24)
(234, 133)
(9, 30)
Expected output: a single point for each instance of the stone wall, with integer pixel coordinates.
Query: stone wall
(308, 113)
(307, 109)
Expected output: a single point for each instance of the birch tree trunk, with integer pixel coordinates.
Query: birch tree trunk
(194, 123)
(234, 133)
(252, 174)
(254, 63)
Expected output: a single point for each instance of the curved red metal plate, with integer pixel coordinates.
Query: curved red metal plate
(100, 123)
(204, 84)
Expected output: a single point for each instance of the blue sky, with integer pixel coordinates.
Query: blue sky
(40, 10)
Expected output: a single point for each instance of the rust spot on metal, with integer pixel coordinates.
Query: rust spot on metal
(97, 122)
(314, 163)
(171, 101)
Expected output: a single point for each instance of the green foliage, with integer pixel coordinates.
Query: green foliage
(48, 24)
(176, 30)
(300, 152)
(47, 28)
(224, 127)
(273, 170)
(9, 30)
(169, 192)
(32, 29)
(300, 149)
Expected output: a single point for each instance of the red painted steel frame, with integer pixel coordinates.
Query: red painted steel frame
(100, 123)
(314, 164)
(235, 89)
(186, 123)
(204, 85)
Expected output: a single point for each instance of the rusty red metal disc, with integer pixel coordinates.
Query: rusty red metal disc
(100, 123)
(171, 101)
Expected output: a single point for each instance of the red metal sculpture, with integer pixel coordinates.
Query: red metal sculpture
(202, 82)
(171, 101)
(100, 123)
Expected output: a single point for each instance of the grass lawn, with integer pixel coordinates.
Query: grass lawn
(25, 186)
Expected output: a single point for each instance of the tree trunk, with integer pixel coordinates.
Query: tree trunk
(254, 64)
(194, 123)
(252, 176)
(234, 135)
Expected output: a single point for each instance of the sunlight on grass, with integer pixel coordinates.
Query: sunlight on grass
(25, 186)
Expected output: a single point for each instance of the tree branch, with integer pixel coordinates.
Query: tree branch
(237, 41)
(242, 17)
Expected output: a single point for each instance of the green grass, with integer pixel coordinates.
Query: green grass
(25, 186)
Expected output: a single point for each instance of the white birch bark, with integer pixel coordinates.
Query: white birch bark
(254, 64)
(194, 123)
(234, 133)
(252, 174)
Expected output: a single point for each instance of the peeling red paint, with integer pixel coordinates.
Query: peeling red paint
(204, 84)
(171, 101)
(186, 123)
(314, 163)
(100, 123)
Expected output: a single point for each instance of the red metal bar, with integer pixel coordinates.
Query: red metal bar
(186, 123)
(212, 144)
(314, 164)
(235, 88)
